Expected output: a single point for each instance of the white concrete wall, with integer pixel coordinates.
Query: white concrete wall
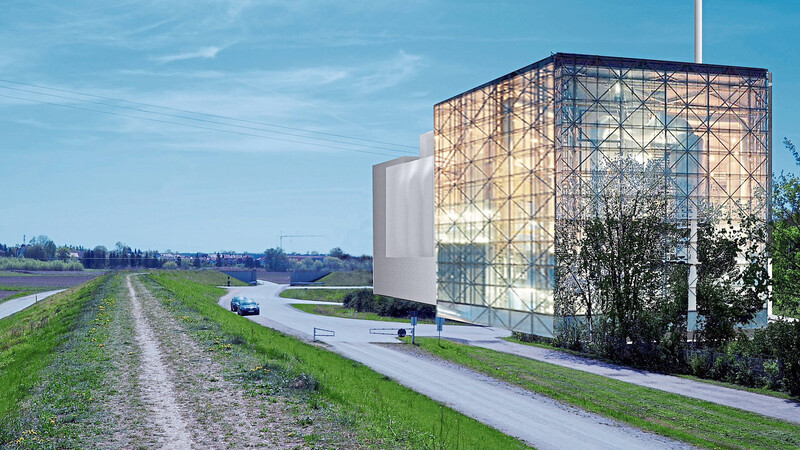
(403, 226)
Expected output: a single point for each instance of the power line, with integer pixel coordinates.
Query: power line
(192, 126)
(202, 114)
(202, 120)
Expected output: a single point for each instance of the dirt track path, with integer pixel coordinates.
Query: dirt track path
(158, 392)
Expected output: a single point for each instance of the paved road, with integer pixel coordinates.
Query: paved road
(762, 404)
(535, 419)
(15, 305)
(329, 287)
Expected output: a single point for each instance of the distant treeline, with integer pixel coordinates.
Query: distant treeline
(101, 258)
(35, 264)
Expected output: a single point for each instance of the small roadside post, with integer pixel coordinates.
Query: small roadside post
(413, 327)
(439, 326)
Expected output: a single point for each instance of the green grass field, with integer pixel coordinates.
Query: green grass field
(690, 420)
(320, 295)
(354, 278)
(51, 362)
(384, 413)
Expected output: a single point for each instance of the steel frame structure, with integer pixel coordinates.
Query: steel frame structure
(506, 151)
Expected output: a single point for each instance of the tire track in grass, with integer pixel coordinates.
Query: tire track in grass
(158, 391)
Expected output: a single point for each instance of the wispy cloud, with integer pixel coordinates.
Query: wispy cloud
(203, 53)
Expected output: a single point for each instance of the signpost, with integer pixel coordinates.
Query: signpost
(413, 327)
(439, 326)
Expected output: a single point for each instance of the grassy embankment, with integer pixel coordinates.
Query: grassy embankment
(352, 278)
(53, 366)
(382, 412)
(690, 420)
(319, 295)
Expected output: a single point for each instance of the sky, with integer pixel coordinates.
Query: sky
(365, 72)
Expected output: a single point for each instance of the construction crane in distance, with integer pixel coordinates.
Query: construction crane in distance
(297, 236)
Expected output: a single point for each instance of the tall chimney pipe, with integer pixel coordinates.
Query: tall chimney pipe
(698, 31)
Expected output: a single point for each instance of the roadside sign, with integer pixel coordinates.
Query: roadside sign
(439, 323)
(413, 321)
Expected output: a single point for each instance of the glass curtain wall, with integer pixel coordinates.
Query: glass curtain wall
(707, 125)
(505, 151)
(495, 202)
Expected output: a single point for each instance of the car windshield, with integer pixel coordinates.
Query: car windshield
(248, 303)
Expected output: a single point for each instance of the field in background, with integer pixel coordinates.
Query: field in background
(320, 295)
(15, 284)
(354, 278)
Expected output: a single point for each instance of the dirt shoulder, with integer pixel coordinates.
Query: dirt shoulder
(174, 393)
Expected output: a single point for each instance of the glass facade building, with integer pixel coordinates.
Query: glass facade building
(504, 153)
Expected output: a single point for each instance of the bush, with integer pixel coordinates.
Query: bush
(33, 264)
(781, 340)
(365, 301)
(170, 265)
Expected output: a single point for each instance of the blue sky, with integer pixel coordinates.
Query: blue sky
(362, 68)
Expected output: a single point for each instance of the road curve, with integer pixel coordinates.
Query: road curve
(16, 305)
(538, 420)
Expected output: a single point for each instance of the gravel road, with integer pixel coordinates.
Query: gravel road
(159, 392)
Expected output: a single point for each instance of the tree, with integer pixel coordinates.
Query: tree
(196, 260)
(99, 257)
(35, 251)
(63, 253)
(337, 252)
(785, 242)
(49, 250)
(219, 260)
(611, 261)
(275, 260)
(730, 293)
(332, 263)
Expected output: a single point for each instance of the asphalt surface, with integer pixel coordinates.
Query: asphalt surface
(538, 420)
(766, 405)
(15, 305)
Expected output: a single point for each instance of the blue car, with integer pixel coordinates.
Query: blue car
(235, 303)
(247, 307)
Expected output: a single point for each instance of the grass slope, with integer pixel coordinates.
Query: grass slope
(51, 363)
(320, 295)
(385, 413)
(694, 421)
(354, 278)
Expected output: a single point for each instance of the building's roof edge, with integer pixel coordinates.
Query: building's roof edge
(622, 62)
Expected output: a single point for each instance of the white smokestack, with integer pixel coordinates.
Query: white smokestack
(698, 31)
